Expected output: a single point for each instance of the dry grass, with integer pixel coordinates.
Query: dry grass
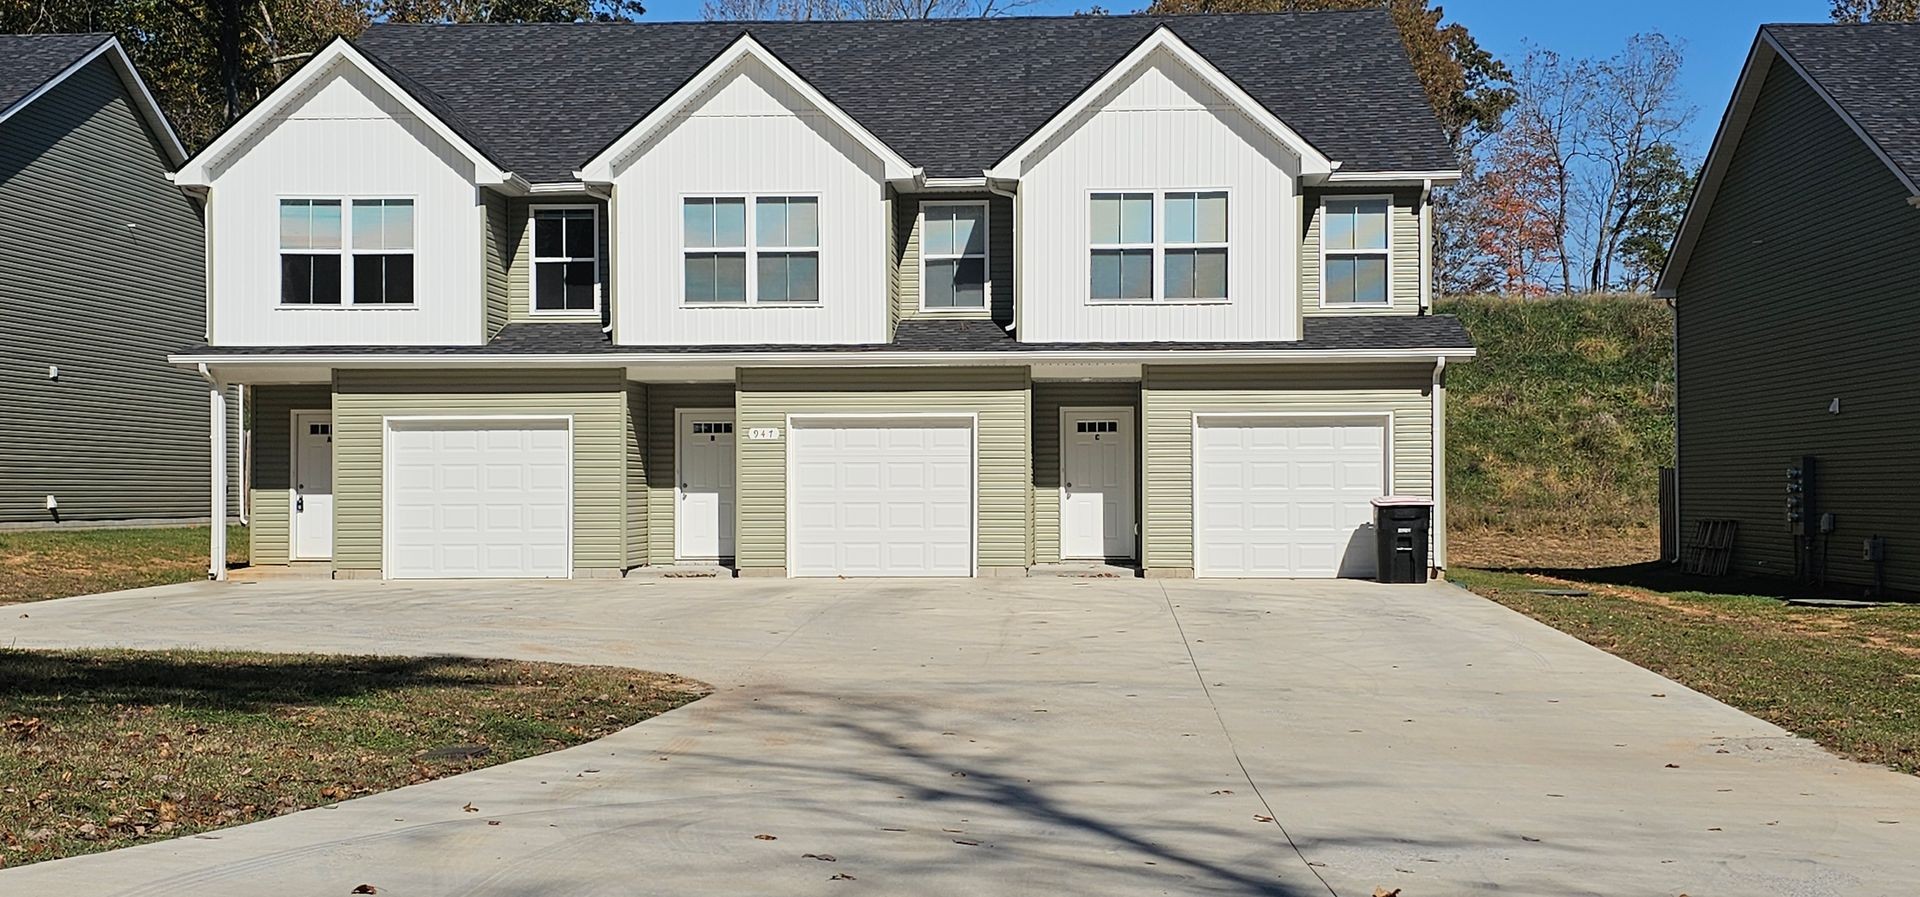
(1502, 549)
(104, 749)
(36, 565)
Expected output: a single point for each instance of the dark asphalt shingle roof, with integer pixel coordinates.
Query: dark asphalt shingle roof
(28, 61)
(585, 339)
(953, 96)
(1873, 72)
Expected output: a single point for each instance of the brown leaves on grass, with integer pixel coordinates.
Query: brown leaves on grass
(23, 728)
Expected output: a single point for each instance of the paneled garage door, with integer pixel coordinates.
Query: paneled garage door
(1286, 497)
(870, 497)
(470, 499)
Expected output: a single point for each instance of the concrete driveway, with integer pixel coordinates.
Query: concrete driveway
(1046, 737)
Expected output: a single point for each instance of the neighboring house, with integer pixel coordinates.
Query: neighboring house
(852, 298)
(101, 275)
(1796, 283)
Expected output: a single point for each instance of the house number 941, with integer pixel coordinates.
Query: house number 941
(764, 433)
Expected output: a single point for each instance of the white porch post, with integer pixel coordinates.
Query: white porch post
(217, 436)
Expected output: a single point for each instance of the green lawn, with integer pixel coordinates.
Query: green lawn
(1847, 678)
(36, 565)
(103, 749)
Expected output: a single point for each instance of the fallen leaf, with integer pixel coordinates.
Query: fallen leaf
(470, 808)
(493, 822)
(965, 843)
(1673, 766)
(1259, 818)
(1224, 791)
(1383, 892)
(366, 889)
(822, 857)
(765, 838)
(840, 876)
(1529, 838)
(1659, 694)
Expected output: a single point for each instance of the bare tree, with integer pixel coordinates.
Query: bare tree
(1552, 94)
(818, 10)
(1636, 104)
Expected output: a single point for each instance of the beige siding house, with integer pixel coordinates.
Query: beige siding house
(772, 315)
(1797, 300)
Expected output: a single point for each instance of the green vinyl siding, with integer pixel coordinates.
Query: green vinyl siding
(663, 400)
(101, 275)
(1403, 241)
(268, 531)
(595, 399)
(1048, 399)
(999, 396)
(1171, 396)
(497, 255)
(1802, 290)
(519, 243)
(906, 223)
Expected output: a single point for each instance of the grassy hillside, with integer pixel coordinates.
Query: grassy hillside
(1556, 433)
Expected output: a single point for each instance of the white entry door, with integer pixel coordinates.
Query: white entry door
(479, 499)
(1096, 483)
(1287, 497)
(310, 511)
(880, 497)
(703, 509)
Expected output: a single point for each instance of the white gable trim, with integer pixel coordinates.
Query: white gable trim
(1726, 140)
(144, 102)
(197, 171)
(599, 169)
(1313, 163)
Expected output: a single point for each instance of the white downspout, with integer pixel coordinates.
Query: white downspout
(217, 439)
(1440, 464)
(1014, 197)
(1426, 246)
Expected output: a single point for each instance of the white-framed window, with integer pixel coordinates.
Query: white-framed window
(566, 259)
(361, 257)
(953, 255)
(1167, 245)
(1356, 250)
(763, 247)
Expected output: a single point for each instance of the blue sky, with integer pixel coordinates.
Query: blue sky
(1716, 33)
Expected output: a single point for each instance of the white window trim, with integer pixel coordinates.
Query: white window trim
(752, 249)
(346, 253)
(535, 258)
(1325, 252)
(985, 256)
(1159, 245)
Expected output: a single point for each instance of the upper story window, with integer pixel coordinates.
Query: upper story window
(1182, 234)
(566, 263)
(953, 255)
(317, 242)
(1354, 250)
(780, 264)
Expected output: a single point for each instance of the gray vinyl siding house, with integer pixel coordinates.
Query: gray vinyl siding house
(101, 273)
(1796, 284)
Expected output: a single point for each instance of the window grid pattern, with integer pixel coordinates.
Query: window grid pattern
(362, 257)
(1097, 426)
(310, 252)
(566, 264)
(710, 428)
(1355, 250)
(953, 255)
(1179, 235)
(768, 249)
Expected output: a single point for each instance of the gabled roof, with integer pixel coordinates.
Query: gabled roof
(952, 96)
(33, 64)
(1869, 75)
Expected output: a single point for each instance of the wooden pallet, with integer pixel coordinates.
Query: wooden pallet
(1709, 550)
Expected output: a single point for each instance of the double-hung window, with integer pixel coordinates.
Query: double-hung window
(1170, 245)
(566, 263)
(364, 257)
(764, 247)
(953, 255)
(1354, 251)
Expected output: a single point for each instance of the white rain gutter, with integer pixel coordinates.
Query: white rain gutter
(217, 456)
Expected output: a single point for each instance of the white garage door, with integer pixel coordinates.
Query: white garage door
(473, 499)
(881, 498)
(1286, 497)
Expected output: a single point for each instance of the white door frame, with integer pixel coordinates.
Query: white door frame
(386, 469)
(1383, 418)
(295, 418)
(679, 495)
(1133, 482)
(972, 419)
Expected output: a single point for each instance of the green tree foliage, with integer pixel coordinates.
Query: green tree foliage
(1656, 188)
(1857, 11)
(1467, 86)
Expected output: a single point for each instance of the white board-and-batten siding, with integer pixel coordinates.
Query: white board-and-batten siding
(1161, 128)
(345, 137)
(752, 134)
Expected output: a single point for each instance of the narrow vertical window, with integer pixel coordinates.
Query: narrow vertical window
(1121, 238)
(566, 263)
(310, 251)
(1196, 246)
(715, 232)
(786, 233)
(953, 255)
(1354, 251)
(382, 251)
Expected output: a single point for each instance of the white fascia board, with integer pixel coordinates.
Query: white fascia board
(599, 169)
(1313, 163)
(847, 359)
(1437, 178)
(196, 172)
(143, 99)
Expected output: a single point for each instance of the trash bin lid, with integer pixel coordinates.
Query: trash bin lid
(1393, 501)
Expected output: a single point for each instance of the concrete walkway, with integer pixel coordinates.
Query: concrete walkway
(1044, 737)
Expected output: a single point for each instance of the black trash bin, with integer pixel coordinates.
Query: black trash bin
(1400, 527)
